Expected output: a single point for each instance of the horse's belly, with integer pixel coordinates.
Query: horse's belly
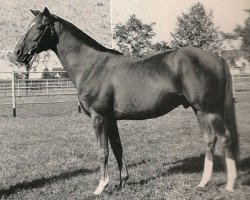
(144, 106)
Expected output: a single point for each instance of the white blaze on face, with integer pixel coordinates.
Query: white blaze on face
(27, 30)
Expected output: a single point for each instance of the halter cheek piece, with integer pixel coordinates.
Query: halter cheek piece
(49, 26)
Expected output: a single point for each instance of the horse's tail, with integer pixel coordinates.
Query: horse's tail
(229, 112)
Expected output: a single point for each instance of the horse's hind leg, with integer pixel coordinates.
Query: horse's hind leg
(218, 126)
(210, 140)
(116, 146)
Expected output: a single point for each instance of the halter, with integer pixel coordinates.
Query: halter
(34, 50)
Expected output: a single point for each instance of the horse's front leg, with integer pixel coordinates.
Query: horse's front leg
(100, 127)
(115, 142)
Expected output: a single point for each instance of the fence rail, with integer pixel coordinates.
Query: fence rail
(241, 84)
(23, 91)
(33, 86)
(18, 89)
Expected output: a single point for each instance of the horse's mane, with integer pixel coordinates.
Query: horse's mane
(83, 37)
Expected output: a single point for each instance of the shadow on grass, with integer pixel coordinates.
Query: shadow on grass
(195, 165)
(187, 165)
(245, 165)
(38, 183)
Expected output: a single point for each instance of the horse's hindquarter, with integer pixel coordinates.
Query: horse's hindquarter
(146, 88)
(203, 78)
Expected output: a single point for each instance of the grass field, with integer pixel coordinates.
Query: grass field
(48, 152)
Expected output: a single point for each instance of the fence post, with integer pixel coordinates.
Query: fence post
(233, 87)
(79, 107)
(13, 94)
(47, 85)
(18, 88)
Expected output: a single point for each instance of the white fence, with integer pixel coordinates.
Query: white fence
(37, 87)
(23, 91)
(241, 84)
(17, 91)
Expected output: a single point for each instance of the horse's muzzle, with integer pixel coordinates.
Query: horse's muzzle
(19, 56)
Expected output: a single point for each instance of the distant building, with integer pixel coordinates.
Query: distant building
(55, 73)
(234, 56)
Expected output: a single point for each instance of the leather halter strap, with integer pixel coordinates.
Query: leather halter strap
(49, 26)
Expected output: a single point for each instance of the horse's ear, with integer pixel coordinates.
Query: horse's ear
(46, 12)
(35, 12)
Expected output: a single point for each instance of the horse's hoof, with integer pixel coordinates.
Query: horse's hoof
(201, 186)
(124, 182)
(101, 186)
(229, 189)
(203, 183)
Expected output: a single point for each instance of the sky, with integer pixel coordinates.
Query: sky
(227, 13)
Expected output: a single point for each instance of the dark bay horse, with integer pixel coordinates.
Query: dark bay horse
(113, 87)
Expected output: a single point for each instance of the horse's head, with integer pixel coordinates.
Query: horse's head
(40, 36)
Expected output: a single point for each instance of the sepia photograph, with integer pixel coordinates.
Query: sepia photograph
(136, 99)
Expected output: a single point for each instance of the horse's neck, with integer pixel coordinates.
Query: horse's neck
(76, 56)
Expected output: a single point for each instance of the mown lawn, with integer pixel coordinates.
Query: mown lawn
(48, 152)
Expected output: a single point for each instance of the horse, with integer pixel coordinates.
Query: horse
(111, 86)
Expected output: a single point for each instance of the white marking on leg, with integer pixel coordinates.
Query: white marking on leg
(207, 173)
(231, 174)
(101, 186)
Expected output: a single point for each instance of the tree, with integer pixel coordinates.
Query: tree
(134, 38)
(244, 33)
(196, 28)
(160, 46)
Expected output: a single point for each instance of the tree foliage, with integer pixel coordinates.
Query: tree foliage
(134, 38)
(160, 46)
(244, 33)
(196, 28)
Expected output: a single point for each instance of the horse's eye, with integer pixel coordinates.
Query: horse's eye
(40, 27)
